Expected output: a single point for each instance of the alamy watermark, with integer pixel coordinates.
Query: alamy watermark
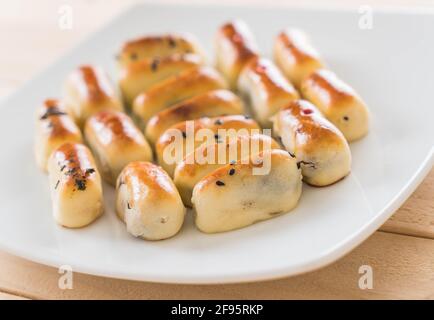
(366, 281)
(221, 147)
(66, 279)
(366, 19)
(66, 17)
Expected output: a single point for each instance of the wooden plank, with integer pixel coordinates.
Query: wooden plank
(402, 269)
(416, 216)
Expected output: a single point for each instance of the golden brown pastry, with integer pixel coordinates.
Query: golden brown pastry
(233, 197)
(235, 46)
(192, 169)
(173, 145)
(75, 185)
(158, 46)
(54, 127)
(338, 102)
(320, 148)
(295, 55)
(89, 90)
(148, 202)
(209, 104)
(174, 90)
(262, 83)
(115, 142)
(141, 75)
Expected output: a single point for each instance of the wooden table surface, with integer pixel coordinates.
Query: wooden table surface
(401, 253)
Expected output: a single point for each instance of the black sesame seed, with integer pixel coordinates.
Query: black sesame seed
(154, 65)
(57, 184)
(184, 135)
(63, 167)
(90, 171)
(172, 43)
(247, 117)
(220, 183)
(306, 163)
(291, 154)
(232, 172)
(70, 172)
(52, 112)
(218, 122)
(128, 205)
(346, 118)
(81, 184)
(216, 136)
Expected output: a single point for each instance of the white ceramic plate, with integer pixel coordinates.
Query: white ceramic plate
(390, 65)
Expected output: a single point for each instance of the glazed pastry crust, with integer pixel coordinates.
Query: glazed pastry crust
(54, 127)
(189, 171)
(158, 46)
(174, 90)
(75, 185)
(89, 90)
(241, 125)
(115, 142)
(139, 76)
(295, 56)
(267, 90)
(235, 46)
(225, 201)
(148, 202)
(338, 102)
(320, 148)
(209, 104)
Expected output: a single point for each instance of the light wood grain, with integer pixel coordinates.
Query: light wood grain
(402, 269)
(416, 216)
(403, 265)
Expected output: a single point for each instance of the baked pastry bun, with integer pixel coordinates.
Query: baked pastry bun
(338, 102)
(139, 76)
(295, 56)
(235, 46)
(75, 186)
(115, 142)
(321, 150)
(54, 127)
(209, 157)
(148, 202)
(181, 139)
(265, 87)
(158, 46)
(232, 197)
(174, 90)
(89, 90)
(209, 104)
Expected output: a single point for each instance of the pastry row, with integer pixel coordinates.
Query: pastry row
(166, 90)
